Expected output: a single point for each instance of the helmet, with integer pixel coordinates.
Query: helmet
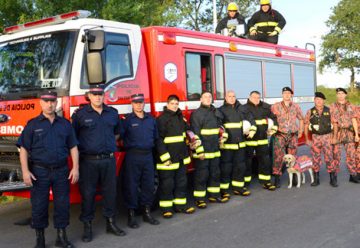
(232, 6)
(270, 123)
(265, 2)
(246, 127)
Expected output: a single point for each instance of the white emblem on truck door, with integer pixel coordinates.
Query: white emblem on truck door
(170, 72)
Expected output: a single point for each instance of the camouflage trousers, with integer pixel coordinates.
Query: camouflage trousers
(350, 157)
(283, 144)
(357, 158)
(321, 144)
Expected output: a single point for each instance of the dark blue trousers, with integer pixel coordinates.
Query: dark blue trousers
(94, 173)
(57, 180)
(138, 179)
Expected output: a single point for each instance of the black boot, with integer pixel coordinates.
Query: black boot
(132, 223)
(148, 218)
(40, 238)
(277, 182)
(87, 235)
(316, 179)
(333, 179)
(61, 240)
(111, 227)
(354, 179)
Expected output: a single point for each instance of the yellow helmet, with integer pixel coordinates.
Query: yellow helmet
(232, 6)
(265, 2)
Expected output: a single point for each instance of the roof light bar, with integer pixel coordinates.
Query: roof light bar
(48, 21)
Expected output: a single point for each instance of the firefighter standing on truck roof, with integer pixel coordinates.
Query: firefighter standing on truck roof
(266, 24)
(232, 19)
(345, 133)
(259, 144)
(232, 165)
(173, 157)
(45, 145)
(205, 123)
(318, 122)
(139, 134)
(286, 138)
(97, 127)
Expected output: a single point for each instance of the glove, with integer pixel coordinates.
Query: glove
(253, 32)
(195, 144)
(167, 163)
(251, 134)
(273, 33)
(273, 130)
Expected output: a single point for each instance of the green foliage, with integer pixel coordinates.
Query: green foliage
(330, 93)
(341, 46)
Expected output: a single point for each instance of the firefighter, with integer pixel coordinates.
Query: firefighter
(286, 138)
(45, 144)
(173, 159)
(318, 122)
(232, 165)
(266, 24)
(206, 123)
(259, 144)
(139, 134)
(231, 21)
(345, 133)
(97, 127)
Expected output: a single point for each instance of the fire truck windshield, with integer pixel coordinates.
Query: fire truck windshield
(30, 64)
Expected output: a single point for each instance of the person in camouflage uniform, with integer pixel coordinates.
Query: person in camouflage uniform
(345, 133)
(357, 159)
(318, 122)
(285, 140)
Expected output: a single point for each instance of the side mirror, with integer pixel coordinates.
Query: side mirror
(95, 68)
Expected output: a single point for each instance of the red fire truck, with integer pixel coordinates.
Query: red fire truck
(68, 52)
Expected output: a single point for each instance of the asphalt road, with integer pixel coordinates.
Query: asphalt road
(309, 217)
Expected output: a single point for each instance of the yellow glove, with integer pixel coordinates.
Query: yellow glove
(273, 33)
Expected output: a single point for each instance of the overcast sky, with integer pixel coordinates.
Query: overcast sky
(306, 23)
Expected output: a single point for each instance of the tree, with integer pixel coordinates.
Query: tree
(341, 46)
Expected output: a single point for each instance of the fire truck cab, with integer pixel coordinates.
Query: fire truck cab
(68, 52)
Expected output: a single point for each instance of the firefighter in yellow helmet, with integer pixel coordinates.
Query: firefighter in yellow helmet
(266, 24)
(231, 21)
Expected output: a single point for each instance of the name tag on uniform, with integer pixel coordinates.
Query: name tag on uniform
(88, 120)
(38, 130)
(135, 125)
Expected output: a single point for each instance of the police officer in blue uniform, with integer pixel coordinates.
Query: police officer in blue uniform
(97, 127)
(139, 134)
(45, 144)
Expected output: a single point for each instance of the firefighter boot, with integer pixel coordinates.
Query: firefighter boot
(61, 240)
(316, 179)
(333, 179)
(354, 179)
(277, 182)
(132, 223)
(87, 235)
(148, 218)
(40, 238)
(111, 227)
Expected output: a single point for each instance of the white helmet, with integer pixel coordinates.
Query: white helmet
(246, 127)
(270, 123)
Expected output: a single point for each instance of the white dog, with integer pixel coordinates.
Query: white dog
(298, 166)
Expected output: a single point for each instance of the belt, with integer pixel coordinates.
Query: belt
(137, 150)
(48, 166)
(97, 156)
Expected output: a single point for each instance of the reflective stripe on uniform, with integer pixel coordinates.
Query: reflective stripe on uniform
(209, 155)
(200, 149)
(261, 122)
(165, 204)
(230, 146)
(264, 177)
(164, 157)
(173, 166)
(187, 160)
(237, 184)
(224, 185)
(267, 24)
(179, 201)
(251, 143)
(198, 193)
(277, 29)
(213, 189)
(173, 139)
(257, 142)
(233, 125)
(212, 131)
(263, 142)
(247, 179)
(242, 144)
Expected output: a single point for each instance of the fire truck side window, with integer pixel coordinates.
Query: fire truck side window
(198, 74)
(304, 80)
(219, 76)
(242, 76)
(277, 75)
